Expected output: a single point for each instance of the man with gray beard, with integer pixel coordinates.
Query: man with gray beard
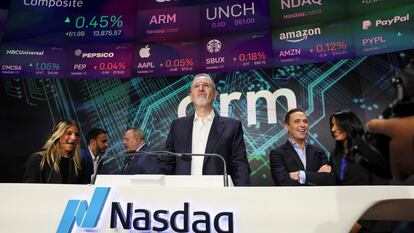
(206, 131)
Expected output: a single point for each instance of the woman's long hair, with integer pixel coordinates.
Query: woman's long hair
(348, 122)
(50, 151)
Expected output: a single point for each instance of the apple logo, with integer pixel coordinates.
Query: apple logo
(144, 52)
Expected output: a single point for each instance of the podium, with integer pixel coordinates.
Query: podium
(42, 207)
(162, 180)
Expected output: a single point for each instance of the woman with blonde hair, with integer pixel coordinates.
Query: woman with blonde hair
(59, 160)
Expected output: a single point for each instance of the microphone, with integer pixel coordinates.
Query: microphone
(187, 157)
(183, 156)
(129, 155)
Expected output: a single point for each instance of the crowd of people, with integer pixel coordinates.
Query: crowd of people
(296, 162)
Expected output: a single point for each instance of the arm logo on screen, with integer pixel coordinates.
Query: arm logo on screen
(78, 211)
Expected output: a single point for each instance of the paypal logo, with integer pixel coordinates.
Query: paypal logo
(78, 210)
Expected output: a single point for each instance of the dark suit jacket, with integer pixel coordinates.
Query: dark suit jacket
(87, 162)
(33, 173)
(142, 164)
(225, 138)
(355, 173)
(284, 160)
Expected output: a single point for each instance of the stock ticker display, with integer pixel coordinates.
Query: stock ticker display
(125, 38)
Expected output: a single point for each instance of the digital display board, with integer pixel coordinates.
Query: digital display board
(313, 43)
(241, 52)
(72, 61)
(168, 24)
(166, 58)
(58, 28)
(288, 13)
(231, 17)
(18, 60)
(72, 22)
(384, 32)
(102, 61)
(173, 37)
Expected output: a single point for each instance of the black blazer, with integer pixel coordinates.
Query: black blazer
(355, 173)
(225, 138)
(142, 164)
(284, 160)
(33, 173)
(87, 164)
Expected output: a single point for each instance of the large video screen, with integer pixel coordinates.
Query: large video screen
(124, 38)
(259, 98)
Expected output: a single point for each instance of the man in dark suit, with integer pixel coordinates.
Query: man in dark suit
(207, 132)
(296, 162)
(134, 142)
(97, 139)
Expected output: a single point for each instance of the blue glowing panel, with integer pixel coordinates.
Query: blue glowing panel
(169, 24)
(27, 61)
(100, 61)
(166, 58)
(230, 17)
(236, 52)
(312, 43)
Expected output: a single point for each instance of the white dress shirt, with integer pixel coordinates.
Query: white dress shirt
(201, 130)
(302, 155)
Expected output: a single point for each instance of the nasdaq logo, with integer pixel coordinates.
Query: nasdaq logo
(79, 212)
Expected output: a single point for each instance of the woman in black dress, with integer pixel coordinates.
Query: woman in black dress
(345, 128)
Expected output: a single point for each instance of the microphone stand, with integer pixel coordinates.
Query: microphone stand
(129, 155)
(187, 156)
(184, 156)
